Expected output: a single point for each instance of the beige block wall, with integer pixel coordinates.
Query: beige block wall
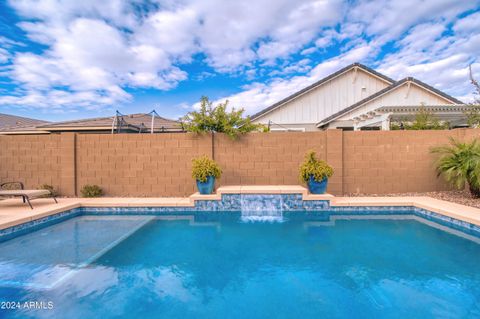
(469, 134)
(31, 159)
(160, 165)
(380, 162)
(266, 159)
(139, 165)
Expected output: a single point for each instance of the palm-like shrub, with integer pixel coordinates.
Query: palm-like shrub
(459, 164)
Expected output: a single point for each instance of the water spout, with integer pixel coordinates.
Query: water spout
(262, 208)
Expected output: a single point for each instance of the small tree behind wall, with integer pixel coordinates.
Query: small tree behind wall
(424, 120)
(218, 119)
(473, 115)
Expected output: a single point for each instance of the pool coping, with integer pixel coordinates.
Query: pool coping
(456, 211)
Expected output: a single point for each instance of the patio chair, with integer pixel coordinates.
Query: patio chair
(26, 194)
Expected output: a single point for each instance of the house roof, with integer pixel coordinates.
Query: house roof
(384, 91)
(132, 121)
(320, 82)
(13, 122)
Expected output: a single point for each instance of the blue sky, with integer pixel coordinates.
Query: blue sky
(63, 60)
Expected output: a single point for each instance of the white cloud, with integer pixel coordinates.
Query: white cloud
(301, 66)
(104, 47)
(9, 43)
(299, 28)
(437, 59)
(60, 100)
(173, 31)
(4, 56)
(423, 52)
(421, 36)
(308, 51)
(97, 50)
(60, 12)
(470, 23)
(93, 60)
(389, 19)
(260, 95)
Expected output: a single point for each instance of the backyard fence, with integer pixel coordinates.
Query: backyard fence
(160, 164)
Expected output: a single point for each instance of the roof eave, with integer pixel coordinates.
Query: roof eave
(34, 132)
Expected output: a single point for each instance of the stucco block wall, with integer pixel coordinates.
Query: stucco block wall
(160, 165)
(33, 160)
(469, 135)
(382, 162)
(267, 159)
(139, 165)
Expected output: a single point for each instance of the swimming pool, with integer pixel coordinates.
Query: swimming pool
(343, 263)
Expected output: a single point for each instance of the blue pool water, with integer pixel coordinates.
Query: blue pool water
(221, 265)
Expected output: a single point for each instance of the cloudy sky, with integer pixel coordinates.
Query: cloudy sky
(69, 59)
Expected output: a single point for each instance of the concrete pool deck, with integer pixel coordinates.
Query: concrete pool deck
(13, 212)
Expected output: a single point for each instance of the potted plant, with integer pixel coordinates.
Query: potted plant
(205, 171)
(315, 173)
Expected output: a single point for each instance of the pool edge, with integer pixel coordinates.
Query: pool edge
(450, 212)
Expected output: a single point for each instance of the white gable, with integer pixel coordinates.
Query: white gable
(328, 98)
(408, 94)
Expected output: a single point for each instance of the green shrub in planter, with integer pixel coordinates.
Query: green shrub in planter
(312, 166)
(315, 173)
(205, 171)
(91, 191)
(203, 167)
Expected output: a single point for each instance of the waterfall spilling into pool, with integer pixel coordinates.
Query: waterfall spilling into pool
(262, 208)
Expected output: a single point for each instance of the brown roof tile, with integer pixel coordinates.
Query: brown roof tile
(134, 121)
(10, 122)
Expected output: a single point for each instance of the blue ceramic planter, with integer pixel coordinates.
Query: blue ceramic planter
(206, 188)
(317, 187)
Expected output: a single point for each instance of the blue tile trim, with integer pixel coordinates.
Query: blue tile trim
(18, 230)
(450, 222)
(233, 203)
(465, 227)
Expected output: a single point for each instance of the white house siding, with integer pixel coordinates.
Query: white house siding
(325, 100)
(402, 95)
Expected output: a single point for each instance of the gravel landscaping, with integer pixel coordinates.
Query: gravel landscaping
(459, 197)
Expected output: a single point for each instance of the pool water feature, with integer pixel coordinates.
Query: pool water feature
(214, 265)
(261, 208)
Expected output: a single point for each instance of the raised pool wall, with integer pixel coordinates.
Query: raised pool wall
(232, 202)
